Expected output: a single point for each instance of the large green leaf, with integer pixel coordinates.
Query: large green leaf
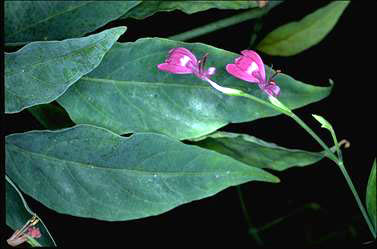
(371, 195)
(293, 38)
(27, 21)
(42, 71)
(18, 213)
(91, 172)
(256, 152)
(127, 93)
(149, 8)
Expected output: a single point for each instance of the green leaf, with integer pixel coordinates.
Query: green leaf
(256, 152)
(371, 195)
(293, 38)
(324, 123)
(223, 23)
(42, 71)
(127, 93)
(149, 8)
(27, 21)
(18, 213)
(51, 116)
(91, 172)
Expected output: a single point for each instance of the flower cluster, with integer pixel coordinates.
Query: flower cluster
(34, 232)
(249, 67)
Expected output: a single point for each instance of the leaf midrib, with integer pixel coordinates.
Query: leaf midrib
(134, 172)
(156, 84)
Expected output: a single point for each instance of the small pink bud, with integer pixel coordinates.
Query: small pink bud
(34, 232)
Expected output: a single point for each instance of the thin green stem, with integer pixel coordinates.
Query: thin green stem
(243, 94)
(250, 14)
(254, 35)
(330, 155)
(247, 218)
(267, 226)
(298, 120)
(33, 242)
(358, 201)
(340, 157)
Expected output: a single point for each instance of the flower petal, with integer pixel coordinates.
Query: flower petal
(171, 68)
(238, 73)
(183, 52)
(257, 59)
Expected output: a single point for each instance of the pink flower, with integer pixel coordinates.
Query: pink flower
(182, 61)
(34, 232)
(249, 67)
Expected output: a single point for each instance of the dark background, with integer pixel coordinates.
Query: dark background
(347, 55)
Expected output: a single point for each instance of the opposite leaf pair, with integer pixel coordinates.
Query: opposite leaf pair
(249, 67)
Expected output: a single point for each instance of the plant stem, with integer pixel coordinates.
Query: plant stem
(254, 35)
(358, 201)
(340, 157)
(329, 153)
(247, 218)
(280, 107)
(250, 14)
(294, 212)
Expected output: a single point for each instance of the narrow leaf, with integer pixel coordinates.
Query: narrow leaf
(293, 38)
(256, 152)
(18, 213)
(42, 71)
(27, 21)
(223, 23)
(91, 172)
(324, 123)
(149, 8)
(127, 93)
(371, 196)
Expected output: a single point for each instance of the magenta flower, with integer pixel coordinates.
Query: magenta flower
(249, 67)
(182, 61)
(34, 232)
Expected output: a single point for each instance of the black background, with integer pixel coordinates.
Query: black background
(347, 55)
